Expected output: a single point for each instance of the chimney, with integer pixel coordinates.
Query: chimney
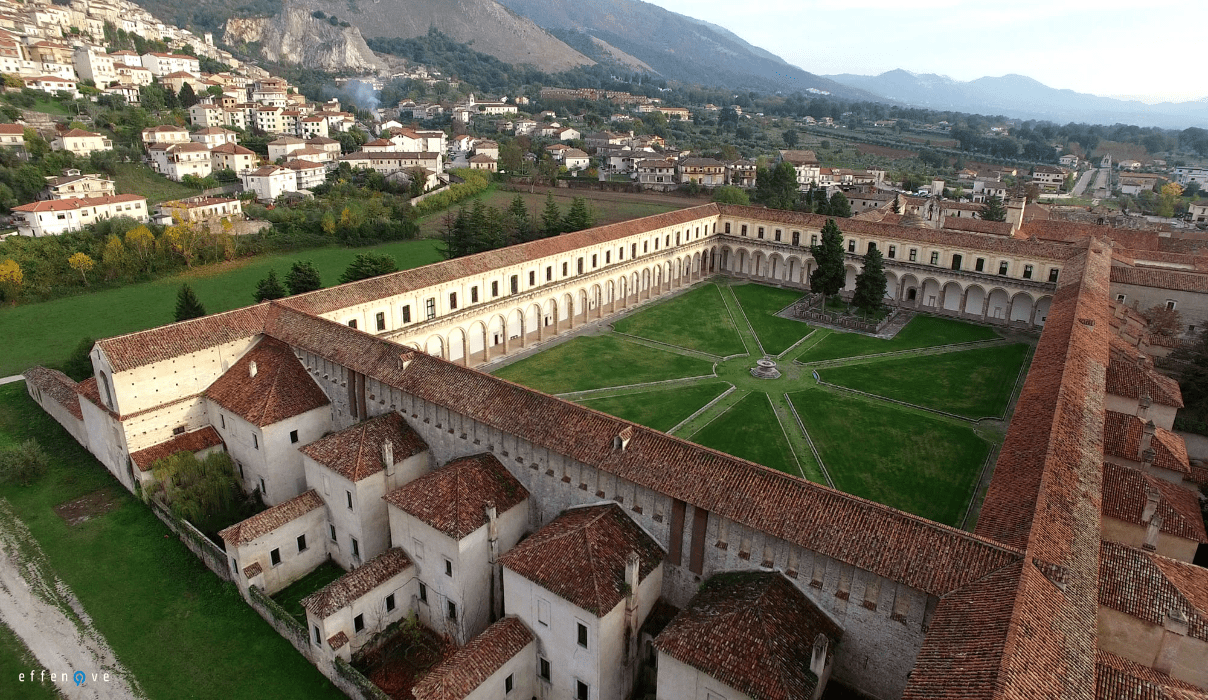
(1146, 438)
(1152, 498)
(1143, 405)
(1151, 533)
(493, 528)
(252, 369)
(633, 567)
(1175, 628)
(621, 441)
(1147, 457)
(388, 457)
(818, 657)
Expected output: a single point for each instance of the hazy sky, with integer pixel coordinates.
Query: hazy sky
(1143, 50)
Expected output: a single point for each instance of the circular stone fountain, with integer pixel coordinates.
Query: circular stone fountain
(765, 369)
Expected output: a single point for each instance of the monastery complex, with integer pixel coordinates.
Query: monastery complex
(570, 554)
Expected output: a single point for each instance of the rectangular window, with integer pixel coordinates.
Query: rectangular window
(494, 289)
(851, 245)
(582, 628)
(358, 623)
(390, 602)
(581, 690)
(407, 313)
(743, 230)
(579, 266)
(727, 227)
(1027, 272)
(352, 323)
(452, 610)
(1053, 272)
(452, 301)
(593, 261)
(760, 234)
(1121, 298)
(543, 612)
(778, 235)
(677, 531)
(356, 547)
(275, 556)
(935, 258)
(381, 321)
(423, 593)
(796, 238)
(607, 257)
(1002, 267)
(956, 262)
(348, 496)
(448, 568)
(255, 441)
(417, 549)
(318, 636)
(813, 239)
(893, 251)
(871, 246)
(914, 254)
(508, 684)
(515, 284)
(549, 273)
(301, 543)
(543, 669)
(430, 308)
(222, 419)
(621, 253)
(1170, 304)
(645, 247)
(333, 532)
(293, 437)
(980, 265)
(474, 294)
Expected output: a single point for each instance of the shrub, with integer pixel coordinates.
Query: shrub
(23, 464)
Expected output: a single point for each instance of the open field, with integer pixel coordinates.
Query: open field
(661, 409)
(921, 332)
(46, 332)
(598, 361)
(132, 178)
(975, 383)
(179, 629)
(750, 430)
(696, 320)
(885, 151)
(903, 459)
(760, 304)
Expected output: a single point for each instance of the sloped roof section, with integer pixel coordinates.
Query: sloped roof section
(454, 498)
(267, 385)
(460, 674)
(356, 452)
(1149, 587)
(581, 556)
(1132, 380)
(126, 352)
(56, 385)
(353, 585)
(192, 441)
(1122, 436)
(1117, 678)
(266, 521)
(753, 631)
(1124, 498)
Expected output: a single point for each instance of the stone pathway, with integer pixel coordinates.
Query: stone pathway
(901, 354)
(687, 352)
(10, 380)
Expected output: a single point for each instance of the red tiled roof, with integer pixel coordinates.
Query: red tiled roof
(79, 203)
(12, 129)
(266, 521)
(1130, 379)
(79, 134)
(1124, 498)
(193, 441)
(460, 674)
(353, 585)
(960, 223)
(1122, 438)
(126, 352)
(454, 498)
(280, 389)
(1149, 587)
(1117, 678)
(356, 452)
(753, 631)
(232, 149)
(1162, 279)
(581, 555)
(253, 570)
(337, 640)
(57, 386)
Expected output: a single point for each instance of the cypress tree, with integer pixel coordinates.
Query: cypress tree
(831, 274)
(269, 288)
(870, 283)
(551, 218)
(188, 305)
(993, 210)
(519, 220)
(839, 206)
(366, 265)
(303, 277)
(458, 237)
(578, 217)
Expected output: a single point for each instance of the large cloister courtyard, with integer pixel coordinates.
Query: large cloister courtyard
(911, 421)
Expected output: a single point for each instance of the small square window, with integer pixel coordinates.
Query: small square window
(452, 610)
(352, 323)
(1027, 272)
(390, 602)
(1170, 304)
(275, 557)
(293, 437)
(358, 623)
(301, 543)
(543, 669)
(582, 629)
(1053, 274)
(851, 246)
(581, 690)
(1121, 298)
(423, 594)
(935, 258)
(448, 568)
(1002, 267)
(508, 684)
(914, 254)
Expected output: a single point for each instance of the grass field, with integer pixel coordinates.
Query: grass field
(291, 596)
(180, 630)
(133, 178)
(598, 361)
(697, 320)
(46, 333)
(607, 209)
(750, 430)
(661, 409)
(919, 464)
(16, 659)
(760, 304)
(974, 383)
(921, 332)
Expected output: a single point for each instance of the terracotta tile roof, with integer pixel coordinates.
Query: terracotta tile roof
(1122, 438)
(192, 441)
(1131, 379)
(960, 223)
(753, 631)
(12, 129)
(78, 203)
(266, 521)
(89, 390)
(896, 545)
(253, 570)
(463, 672)
(353, 585)
(79, 134)
(1117, 678)
(454, 498)
(1149, 587)
(337, 640)
(1161, 279)
(356, 452)
(1124, 498)
(580, 556)
(299, 164)
(57, 386)
(126, 352)
(281, 387)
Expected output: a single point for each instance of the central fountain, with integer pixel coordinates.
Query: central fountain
(765, 369)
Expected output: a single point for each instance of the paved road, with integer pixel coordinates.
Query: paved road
(10, 380)
(1083, 182)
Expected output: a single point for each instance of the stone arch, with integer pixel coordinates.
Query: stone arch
(892, 285)
(758, 263)
(532, 322)
(741, 261)
(435, 346)
(1042, 311)
(975, 301)
(515, 328)
(457, 347)
(849, 281)
(584, 301)
(1022, 305)
(549, 316)
(645, 288)
(497, 335)
(909, 290)
(950, 296)
(696, 265)
(610, 295)
(998, 306)
(477, 341)
(566, 311)
(776, 267)
(794, 270)
(596, 302)
(930, 294)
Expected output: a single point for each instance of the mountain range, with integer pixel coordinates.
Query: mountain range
(1022, 97)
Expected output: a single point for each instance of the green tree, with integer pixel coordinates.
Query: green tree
(367, 265)
(870, 283)
(551, 218)
(729, 194)
(790, 138)
(519, 220)
(303, 277)
(78, 365)
(460, 236)
(188, 305)
(24, 463)
(579, 216)
(196, 489)
(269, 288)
(993, 210)
(777, 187)
(839, 206)
(831, 274)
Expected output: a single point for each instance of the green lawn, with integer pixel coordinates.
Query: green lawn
(921, 332)
(598, 361)
(661, 409)
(291, 596)
(16, 659)
(974, 383)
(134, 178)
(750, 430)
(697, 320)
(760, 304)
(180, 630)
(922, 465)
(46, 332)
(607, 210)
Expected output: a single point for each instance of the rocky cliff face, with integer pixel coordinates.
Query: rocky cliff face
(295, 36)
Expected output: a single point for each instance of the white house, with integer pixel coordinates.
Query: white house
(12, 136)
(76, 185)
(162, 64)
(90, 65)
(278, 546)
(574, 159)
(499, 663)
(165, 134)
(212, 136)
(584, 585)
(180, 159)
(308, 174)
(54, 217)
(270, 182)
(198, 209)
(51, 84)
(206, 115)
(282, 147)
(230, 156)
(455, 522)
(81, 143)
(346, 613)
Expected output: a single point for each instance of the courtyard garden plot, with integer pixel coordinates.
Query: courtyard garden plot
(917, 438)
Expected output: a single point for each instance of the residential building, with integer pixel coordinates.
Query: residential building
(805, 163)
(81, 143)
(12, 136)
(345, 614)
(278, 546)
(213, 136)
(575, 160)
(233, 157)
(270, 182)
(51, 84)
(656, 172)
(195, 209)
(94, 66)
(283, 147)
(58, 216)
(163, 64)
(702, 171)
(386, 163)
(308, 174)
(1048, 177)
(76, 185)
(312, 126)
(165, 135)
(484, 163)
(177, 160)
(1196, 211)
(205, 114)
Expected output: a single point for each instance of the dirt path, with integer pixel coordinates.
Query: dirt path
(48, 618)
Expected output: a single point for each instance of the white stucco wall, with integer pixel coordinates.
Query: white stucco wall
(294, 564)
(372, 608)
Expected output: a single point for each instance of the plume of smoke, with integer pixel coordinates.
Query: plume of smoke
(356, 93)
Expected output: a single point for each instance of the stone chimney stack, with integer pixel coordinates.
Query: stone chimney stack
(1152, 498)
(818, 657)
(1146, 438)
(1147, 458)
(1143, 405)
(252, 369)
(1151, 533)
(1015, 213)
(1175, 629)
(388, 457)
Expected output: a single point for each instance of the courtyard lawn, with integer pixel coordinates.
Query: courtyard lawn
(922, 465)
(974, 383)
(661, 409)
(291, 596)
(598, 361)
(15, 659)
(45, 333)
(760, 304)
(921, 332)
(750, 430)
(696, 320)
(180, 630)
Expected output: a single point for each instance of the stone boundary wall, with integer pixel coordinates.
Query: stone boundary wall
(203, 547)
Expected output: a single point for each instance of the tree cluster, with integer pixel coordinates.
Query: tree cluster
(480, 227)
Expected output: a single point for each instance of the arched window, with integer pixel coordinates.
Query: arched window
(108, 393)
